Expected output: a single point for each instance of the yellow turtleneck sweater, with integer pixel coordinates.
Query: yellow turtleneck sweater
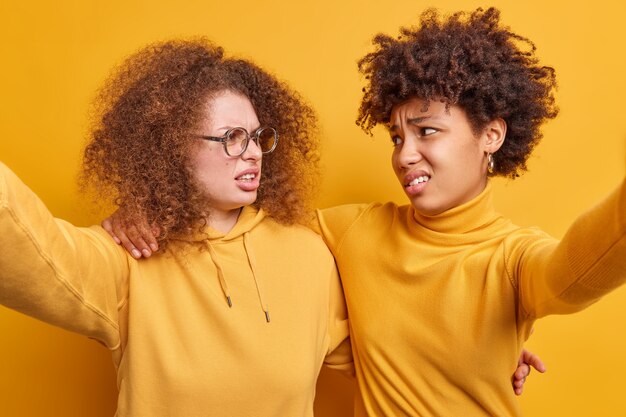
(178, 347)
(440, 306)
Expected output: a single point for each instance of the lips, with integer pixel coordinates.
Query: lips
(246, 177)
(419, 180)
(415, 182)
(249, 179)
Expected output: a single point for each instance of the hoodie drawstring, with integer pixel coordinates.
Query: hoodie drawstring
(220, 274)
(252, 263)
(248, 248)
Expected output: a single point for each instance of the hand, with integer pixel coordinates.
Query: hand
(135, 235)
(524, 363)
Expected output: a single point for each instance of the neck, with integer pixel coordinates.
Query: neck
(223, 221)
(471, 215)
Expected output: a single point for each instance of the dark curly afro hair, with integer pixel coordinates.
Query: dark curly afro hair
(470, 60)
(142, 136)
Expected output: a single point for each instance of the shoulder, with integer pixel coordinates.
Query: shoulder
(520, 237)
(352, 212)
(104, 243)
(272, 232)
(524, 243)
(355, 221)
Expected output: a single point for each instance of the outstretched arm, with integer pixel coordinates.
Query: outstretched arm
(564, 277)
(51, 270)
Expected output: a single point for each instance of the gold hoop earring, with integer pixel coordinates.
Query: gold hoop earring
(491, 164)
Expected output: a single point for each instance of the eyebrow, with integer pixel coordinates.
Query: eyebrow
(412, 120)
(229, 127)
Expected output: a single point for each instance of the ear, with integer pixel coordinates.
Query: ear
(494, 135)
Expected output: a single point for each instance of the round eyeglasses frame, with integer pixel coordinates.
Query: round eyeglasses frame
(255, 137)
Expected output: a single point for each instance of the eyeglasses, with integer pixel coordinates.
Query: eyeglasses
(235, 140)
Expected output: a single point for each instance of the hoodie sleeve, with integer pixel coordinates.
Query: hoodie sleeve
(567, 276)
(71, 277)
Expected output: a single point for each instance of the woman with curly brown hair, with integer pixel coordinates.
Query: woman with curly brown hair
(231, 320)
(442, 292)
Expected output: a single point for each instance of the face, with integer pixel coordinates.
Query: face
(229, 182)
(440, 162)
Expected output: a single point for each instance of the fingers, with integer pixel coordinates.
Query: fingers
(525, 363)
(533, 360)
(135, 235)
(521, 372)
(122, 231)
(143, 236)
(519, 378)
(150, 237)
(108, 226)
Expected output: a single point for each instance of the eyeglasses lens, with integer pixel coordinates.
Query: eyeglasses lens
(267, 139)
(236, 141)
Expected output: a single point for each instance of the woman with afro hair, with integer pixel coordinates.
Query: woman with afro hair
(442, 292)
(230, 320)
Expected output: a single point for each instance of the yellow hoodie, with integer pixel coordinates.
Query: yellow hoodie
(439, 306)
(179, 348)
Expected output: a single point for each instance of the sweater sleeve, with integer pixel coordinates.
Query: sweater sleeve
(335, 222)
(71, 277)
(567, 276)
(339, 356)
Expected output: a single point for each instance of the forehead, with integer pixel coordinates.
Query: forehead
(415, 105)
(416, 110)
(228, 109)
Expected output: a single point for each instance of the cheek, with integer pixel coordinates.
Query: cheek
(458, 160)
(210, 169)
(472, 158)
(394, 161)
(198, 169)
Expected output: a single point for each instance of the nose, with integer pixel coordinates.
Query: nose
(409, 152)
(252, 152)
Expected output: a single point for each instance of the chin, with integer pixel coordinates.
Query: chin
(249, 199)
(425, 209)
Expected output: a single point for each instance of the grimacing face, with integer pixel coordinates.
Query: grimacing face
(438, 159)
(229, 182)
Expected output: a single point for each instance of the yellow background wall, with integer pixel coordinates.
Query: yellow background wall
(55, 54)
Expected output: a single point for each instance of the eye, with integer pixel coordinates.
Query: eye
(396, 140)
(426, 131)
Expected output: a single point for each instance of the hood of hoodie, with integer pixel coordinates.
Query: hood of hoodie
(248, 219)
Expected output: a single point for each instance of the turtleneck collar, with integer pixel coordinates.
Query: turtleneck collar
(471, 216)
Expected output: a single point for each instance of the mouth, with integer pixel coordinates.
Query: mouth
(415, 183)
(419, 180)
(246, 177)
(248, 180)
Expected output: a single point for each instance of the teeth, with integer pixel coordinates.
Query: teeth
(418, 180)
(247, 177)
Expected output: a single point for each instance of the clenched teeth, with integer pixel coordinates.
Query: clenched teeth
(418, 180)
(247, 177)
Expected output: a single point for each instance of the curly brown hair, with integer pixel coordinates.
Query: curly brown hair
(469, 60)
(140, 144)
